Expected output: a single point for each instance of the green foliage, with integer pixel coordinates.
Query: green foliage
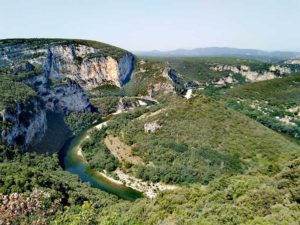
(239, 78)
(7, 154)
(287, 91)
(136, 87)
(106, 90)
(146, 75)
(121, 121)
(251, 173)
(106, 105)
(197, 68)
(266, 102)
(95, 151)
(86, 214)
(19, 72)
(267, 117)
(200, 140)
(12, 92)
(230, 200)
(79, 121)
(196, 165)
(30, 171)
(97, 154)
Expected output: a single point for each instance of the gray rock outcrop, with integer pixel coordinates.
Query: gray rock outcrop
(60, 71)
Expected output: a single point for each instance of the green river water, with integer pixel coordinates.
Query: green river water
(75, 164)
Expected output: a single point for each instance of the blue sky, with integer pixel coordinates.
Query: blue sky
(158, 24)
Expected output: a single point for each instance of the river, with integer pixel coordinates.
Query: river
(74, 163)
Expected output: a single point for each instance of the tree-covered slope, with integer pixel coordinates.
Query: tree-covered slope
(198, 68)
(226, 167)
(199, 140)
(277, 91)
(274, 103)
(243, 199)
(12, 92)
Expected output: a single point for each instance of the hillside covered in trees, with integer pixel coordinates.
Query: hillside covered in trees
(143, 151)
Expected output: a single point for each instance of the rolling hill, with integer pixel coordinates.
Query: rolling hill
(223, 51)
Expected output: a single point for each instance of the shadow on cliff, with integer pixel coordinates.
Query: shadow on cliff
(56, 135)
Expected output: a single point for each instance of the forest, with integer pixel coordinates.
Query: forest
(229, 153)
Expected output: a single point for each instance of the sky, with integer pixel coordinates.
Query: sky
(138, 25)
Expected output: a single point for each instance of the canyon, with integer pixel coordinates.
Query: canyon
(61, 72)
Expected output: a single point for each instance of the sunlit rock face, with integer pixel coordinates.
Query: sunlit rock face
(60, 72)
(82, 65)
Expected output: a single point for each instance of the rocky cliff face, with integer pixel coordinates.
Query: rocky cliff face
(60, 71)
(85, 65)
(25, 125)
(251, 76)
(63, 96)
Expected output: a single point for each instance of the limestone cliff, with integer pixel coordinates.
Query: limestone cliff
(60, 71)
(25, 125)
(83, 65)
(273, 71)
(88, 66)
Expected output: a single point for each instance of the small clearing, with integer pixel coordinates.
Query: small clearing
(147, 115)
(121, 151)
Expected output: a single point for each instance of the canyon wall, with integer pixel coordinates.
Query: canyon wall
(61, 72)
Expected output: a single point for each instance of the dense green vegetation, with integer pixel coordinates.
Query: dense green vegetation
(200, 140)
(267, 102)
(242, 199)
(228, 168)
(79, 121)
(106, 90)
(197, 68)
(150, 78)
(97, 154)
(106, 105)
(12, 92)
(277, 91)
(21, 72)
(95, 151)
(29, 172)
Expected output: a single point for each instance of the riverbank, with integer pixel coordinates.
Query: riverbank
(72, 159)
(150, 189)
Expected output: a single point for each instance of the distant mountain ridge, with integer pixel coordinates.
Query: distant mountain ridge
(224, 51)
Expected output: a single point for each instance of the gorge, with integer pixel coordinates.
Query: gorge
(59, 72)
